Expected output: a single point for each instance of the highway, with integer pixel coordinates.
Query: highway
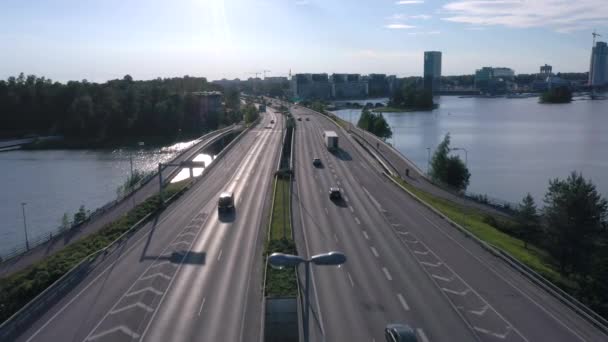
(189, 274)
(404, 263)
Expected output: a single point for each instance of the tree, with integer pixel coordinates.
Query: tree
(447, 169)
(529, 220)
(80, 216)
(250, 113)
(557, 95)
(576, 217)
(375, 124)
(65, 222)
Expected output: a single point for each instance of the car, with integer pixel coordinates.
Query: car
(399, 333)
(299, 119)
(307, 119)
(335, 194)
(226, 202)
(271, 121)
(316, 162)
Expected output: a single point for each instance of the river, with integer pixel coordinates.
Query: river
(514, 145)
(53, 182)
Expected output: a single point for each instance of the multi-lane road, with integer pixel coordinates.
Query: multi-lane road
(405, 264)
(189, 274)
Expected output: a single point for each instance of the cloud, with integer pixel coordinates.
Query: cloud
(400, 16)
(399, 26)
(409, 2)
(558, 15)
(420, 16)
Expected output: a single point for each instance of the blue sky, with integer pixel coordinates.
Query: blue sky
(100, 40)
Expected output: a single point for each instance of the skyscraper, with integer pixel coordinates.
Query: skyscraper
(598, 68)
(432, 71)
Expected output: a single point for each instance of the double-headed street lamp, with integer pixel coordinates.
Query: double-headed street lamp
(281, 260)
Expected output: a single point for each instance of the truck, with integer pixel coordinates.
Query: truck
(331, 140)
(262, 108)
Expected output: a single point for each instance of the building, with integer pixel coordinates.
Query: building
(209, 102)
(432, 71)
(494, 80)
(311, 87)
(546, 70)
(504, 73)
(556, 82)
(598, 68)
(348, 86)
(378, 85)
(275, 80)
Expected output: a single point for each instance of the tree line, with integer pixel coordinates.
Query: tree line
(375, 124)
(111, 110)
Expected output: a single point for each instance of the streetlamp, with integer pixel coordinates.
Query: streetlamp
(428, 160)
(27, 243)
(281, 260)
(466, 154)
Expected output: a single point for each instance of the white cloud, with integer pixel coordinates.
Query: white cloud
(420, 16)
(400, 16)
(399, 26)
(409, 2)
(559, 15)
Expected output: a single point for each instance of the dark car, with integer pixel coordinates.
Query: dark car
(399, 333)
(317, 162)
(299, 119)
(307, 119)
(271, 121)
(335, 194)
(226, 202)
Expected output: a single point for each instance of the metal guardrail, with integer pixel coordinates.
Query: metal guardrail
(58, 232)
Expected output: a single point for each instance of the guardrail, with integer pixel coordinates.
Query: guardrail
(33, 309)
(58, 232)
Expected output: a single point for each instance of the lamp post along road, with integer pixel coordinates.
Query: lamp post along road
(27, 243)
(281, 260)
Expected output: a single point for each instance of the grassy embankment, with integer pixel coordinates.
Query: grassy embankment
(488, 229)
(280, 283)
(19, 288)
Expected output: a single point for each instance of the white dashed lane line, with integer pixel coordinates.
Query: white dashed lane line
(219, 256)
(365, 235)
(374, 251)
(403, 302)
(352, 283)
(357, 220)
(422, 335)
(388, 275)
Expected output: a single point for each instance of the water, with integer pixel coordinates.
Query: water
(514, 145)
(59, 181)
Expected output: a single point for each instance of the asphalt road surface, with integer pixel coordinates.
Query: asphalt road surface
(188, 275)
(405, 264)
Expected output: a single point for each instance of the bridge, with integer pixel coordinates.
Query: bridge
(193, 275)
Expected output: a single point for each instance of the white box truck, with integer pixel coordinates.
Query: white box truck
(331, 140)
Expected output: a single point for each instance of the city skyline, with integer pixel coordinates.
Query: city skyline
(233, 39)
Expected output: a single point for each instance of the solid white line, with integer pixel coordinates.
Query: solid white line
(219, 255)
(365, 234)
(388, 275)
(422, 335)
(202, 304)
(352, 283)
(357, 220)
(403, 302)
(375, 252)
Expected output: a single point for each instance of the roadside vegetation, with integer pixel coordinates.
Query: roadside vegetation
(450, 170)
(410, 97)
(375, 124)
(566, 241)
(280, 283)
(19, 288)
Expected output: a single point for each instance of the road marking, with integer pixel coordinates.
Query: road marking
(481, 311)
(388, 275)
(351, 209)
(374, 251)
(326, 211)
(431, 264)
(336, 237)
(357, 220)
(442, 278)
(202, 304)
(403, 302)
(145, 289)
(488, 332)
(157, 274)
(128, 307)
(220, 255)
(346, 198)
(421, 253)
(365, 234)
(123, 329)
(158, 264)
(352, 283)
(458, 293)
(422, 335)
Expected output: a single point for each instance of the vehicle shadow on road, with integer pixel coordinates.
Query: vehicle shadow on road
(342, 154)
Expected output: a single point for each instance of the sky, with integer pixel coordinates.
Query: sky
(99, 40)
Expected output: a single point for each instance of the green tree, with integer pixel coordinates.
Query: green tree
(250, 113)
(557, 95)
(65, 222)
(375, 124)
(80, 216)
(576, 217)
(448, 169)
(529, 220)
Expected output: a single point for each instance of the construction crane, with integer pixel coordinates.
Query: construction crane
(595, 34)
(265, 71)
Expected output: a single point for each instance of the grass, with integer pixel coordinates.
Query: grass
(476, 222)
(19, 288)
(280, 283)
